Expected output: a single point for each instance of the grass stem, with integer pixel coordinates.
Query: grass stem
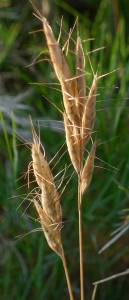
(80, 239)
(7, 140)
(67, 277)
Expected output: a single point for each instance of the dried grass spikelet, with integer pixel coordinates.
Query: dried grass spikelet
(40, 166)
(51, 204)
(89, 113)
(63, 73)
(59, 63)
(86, 175)
(49, 196)
(80, 73)
(72, 144)
(69, 100)
(51, 232)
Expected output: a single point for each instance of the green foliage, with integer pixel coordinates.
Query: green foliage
(32, 270)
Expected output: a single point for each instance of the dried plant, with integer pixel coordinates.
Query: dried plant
(79, 116)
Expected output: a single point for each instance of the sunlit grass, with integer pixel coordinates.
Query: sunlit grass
(28, 262)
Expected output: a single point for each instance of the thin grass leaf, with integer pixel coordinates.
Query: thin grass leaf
(15, 152)
(7, 140)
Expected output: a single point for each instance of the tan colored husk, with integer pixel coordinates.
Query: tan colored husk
(89, 113)
(80, 73)
(51, 205)
(86, 175)
(69, 100)
(50, 230)
(77, 138)
(72, 144)
(41, 168)
(49, 197)
(63, 74)
(59, 63)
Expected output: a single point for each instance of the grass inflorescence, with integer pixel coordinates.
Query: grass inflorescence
(103, 201)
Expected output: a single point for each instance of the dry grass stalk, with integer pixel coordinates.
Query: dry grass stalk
(79, 109)
(49, 210)
(79, 118)
(86, 175)
(79, 115)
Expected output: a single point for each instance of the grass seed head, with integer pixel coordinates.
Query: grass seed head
(49, 197)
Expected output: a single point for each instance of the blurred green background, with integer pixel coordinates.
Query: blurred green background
(29, 269)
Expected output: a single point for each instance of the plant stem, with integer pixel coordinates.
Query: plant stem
(67, 277)
(80, 240)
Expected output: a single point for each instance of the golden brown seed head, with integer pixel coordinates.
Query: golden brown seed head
(50, 199)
